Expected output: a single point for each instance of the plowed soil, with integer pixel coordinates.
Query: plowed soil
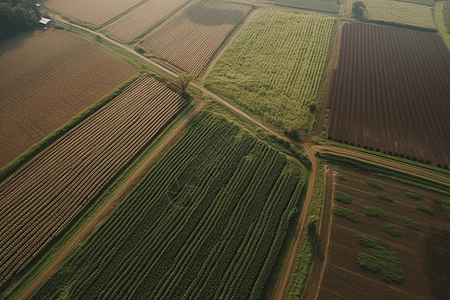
(391, 93)
(423, 254)
(49, 78)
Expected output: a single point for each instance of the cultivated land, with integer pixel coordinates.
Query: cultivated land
(423, 2)
(396, 12)
(274, 68)
(46, 79)
(48, 192)
(207, 221)
(190, 38)
(423, 254)
(142, 18)
(391, 93)
(320, 5)
(94, 12)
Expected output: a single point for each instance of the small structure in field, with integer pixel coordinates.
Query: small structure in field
(46, 22)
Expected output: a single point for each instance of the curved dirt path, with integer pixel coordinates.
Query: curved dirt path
(112, 203)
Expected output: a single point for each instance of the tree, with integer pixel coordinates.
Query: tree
(358, 9)
(183, 82)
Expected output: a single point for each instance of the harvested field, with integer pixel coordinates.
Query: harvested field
(191, 37)
(48, 192)
(46, 80)
(275, 67)
(331, 6)
(95, 12)
(143, 17)
(391, 93)
(206, 222)
(422, 253)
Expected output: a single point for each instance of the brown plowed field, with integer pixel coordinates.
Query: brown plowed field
(142, 18)
(42, 197)
(46, 80)
(424, 255)
(95, 12)
(190, 39)
(391, 93)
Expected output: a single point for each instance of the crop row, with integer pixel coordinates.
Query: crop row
(274, 68)
(331, 6)
(45, 195)
(206, 222)
(190, 39)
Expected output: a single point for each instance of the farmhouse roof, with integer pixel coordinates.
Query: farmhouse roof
(44, 21)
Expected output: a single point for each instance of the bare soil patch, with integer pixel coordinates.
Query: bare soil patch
(46, 80)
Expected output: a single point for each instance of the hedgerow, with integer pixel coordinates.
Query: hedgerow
(343, 197)
(412, 194)
(346, 213)
(411, 224)
(422, 207)
(385, 197)
(392, 230)
(375, 212)
(375, 183)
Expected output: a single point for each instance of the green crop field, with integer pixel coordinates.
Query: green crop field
(207, 221)
(320, 5)
(274, 69)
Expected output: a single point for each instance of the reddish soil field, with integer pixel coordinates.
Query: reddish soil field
(424, 255)
(391, 93)
(48, 192)
(46, 79)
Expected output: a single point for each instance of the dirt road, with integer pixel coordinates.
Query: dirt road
(113, 202)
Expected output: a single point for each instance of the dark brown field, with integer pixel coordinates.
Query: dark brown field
(391, 93)
(424, 255)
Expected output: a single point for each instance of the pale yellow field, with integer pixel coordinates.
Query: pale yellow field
(95, 12)
(142, 18)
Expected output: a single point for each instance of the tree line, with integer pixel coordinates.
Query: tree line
(18, 16)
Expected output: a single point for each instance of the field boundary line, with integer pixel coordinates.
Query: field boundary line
(112, 203)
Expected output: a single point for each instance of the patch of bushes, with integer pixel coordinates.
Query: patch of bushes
(375, 183)
(381, 260)
(422, 207)
(342, 176)
(411, 224)
(139, 49)
(445, 205)
(412, 194)
(375, 212)
(392, 230)
(385, 197)
(346, 213)
(343, 197)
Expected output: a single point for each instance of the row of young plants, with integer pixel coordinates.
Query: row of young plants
(207, 221)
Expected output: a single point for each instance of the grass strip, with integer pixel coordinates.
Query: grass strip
(381, 260)
(375, 212)
(392, 230)
(385, 197)
(343, 197)
(422, 207)
(346, 213)
(411, 224)
(375, 183)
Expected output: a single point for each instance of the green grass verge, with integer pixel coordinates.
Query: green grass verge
(343, 197)
(392, 230)
(422, 207)
(375, 212)
(346, 213)
(373, 169)
(19, 284)
(412, 194)
(34, 150)
(385, 197)
(381, 260)
(308, 243)
(375, 183)
(411, 224)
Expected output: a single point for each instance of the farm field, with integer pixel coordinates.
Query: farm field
(274, 68)
(49, 191)
(390, 93)
(47, 79)
(421, 248)
(396, 12)
(143, 17)
(447, 14)
(95, 12)
(207, 221)
(190, 38)
(331, 6)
